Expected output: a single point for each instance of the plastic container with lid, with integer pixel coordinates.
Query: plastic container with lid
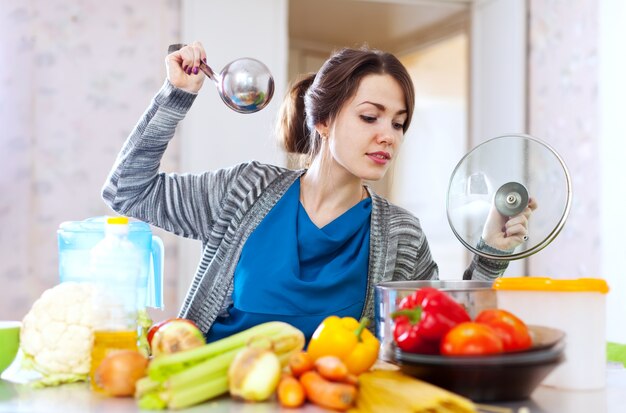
(575, 306)
(76, 239)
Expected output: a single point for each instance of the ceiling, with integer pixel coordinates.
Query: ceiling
(379, 23)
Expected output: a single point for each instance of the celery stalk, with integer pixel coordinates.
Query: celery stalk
(146, 385)
(180, 389)
(165, 365)
(198, 393)
(206, 370)
(287, 342)
(152, 401)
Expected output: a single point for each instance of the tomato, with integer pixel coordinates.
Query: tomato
(511, 330)
(471, 339)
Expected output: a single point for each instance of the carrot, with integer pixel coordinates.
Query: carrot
(331, 368)
(328, 394)
(300, 362)
(290, 392)
(351, 379)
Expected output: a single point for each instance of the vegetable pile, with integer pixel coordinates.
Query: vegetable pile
(192, 376)
(177, 369)
(327, 373)
(429, 321)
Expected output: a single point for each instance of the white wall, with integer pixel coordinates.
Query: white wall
(213, 136)
(612, 89)
(434, 143)
(498, 68)
(498, 75)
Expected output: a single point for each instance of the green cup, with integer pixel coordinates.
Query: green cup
(9, 342)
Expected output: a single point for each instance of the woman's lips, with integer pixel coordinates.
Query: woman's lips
(381, 158)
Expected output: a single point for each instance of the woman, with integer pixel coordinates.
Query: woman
(291, 245)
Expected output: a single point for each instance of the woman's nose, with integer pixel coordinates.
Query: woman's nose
(386, 136)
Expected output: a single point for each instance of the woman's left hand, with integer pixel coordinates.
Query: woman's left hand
(506, 233)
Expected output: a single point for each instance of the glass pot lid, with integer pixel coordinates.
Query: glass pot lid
(502, 174)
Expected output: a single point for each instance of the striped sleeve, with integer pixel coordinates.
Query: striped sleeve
(413, 260)
(185, 204)
(485, 269)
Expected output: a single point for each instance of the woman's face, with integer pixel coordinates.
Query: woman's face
(368, 130)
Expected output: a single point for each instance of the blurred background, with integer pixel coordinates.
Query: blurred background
(75, 76)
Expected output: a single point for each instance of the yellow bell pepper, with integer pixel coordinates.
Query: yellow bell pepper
(346, 339)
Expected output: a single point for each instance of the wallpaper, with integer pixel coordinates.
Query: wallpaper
(75, 77)
(563, 111)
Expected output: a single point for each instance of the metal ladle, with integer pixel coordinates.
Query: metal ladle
(245, 85)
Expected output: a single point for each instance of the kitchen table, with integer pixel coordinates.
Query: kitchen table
(16, 397)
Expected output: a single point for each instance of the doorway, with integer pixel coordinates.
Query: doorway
(435, 142)
(432, 40)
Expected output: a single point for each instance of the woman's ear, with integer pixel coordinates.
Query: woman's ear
(322, 129)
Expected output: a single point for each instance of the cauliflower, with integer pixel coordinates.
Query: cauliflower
(57, 333)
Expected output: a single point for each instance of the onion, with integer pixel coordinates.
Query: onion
(254, 374)
(176, 335)
(119, 371)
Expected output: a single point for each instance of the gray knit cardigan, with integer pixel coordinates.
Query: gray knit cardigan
(221, 208)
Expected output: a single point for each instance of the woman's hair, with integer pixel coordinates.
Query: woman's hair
(318, 98)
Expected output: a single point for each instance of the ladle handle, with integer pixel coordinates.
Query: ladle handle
(203, 66)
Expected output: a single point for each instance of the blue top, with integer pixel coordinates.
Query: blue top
(290, 270)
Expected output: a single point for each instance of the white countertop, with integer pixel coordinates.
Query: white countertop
(77, 398)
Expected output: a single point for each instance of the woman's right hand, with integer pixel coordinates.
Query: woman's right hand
(507, 233)
(183, 67)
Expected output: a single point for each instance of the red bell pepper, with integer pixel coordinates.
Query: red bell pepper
(423, 319)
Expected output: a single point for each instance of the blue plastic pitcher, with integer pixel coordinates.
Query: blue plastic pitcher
(76, 238)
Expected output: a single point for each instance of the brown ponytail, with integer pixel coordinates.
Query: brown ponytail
(292, 126)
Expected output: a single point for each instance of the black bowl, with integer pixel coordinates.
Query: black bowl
(502, 377)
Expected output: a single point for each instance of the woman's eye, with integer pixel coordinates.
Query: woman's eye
(368, 119)
(398, 125)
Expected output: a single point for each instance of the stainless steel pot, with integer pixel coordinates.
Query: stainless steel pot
(475, 296)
